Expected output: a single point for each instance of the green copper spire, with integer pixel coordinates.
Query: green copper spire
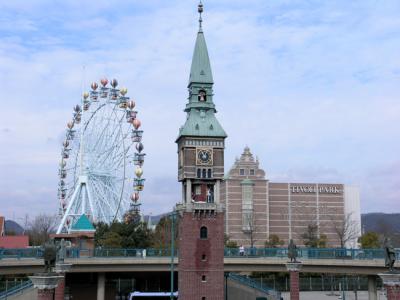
(200, 72)
(201, 120)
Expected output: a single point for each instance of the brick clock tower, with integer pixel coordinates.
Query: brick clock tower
(201, 144)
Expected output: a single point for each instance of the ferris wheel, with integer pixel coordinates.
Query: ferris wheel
(100, 173)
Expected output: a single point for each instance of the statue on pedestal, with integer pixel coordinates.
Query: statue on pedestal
(292, 251)
(390, 254)
(49, 255)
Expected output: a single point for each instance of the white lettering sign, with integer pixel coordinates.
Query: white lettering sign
(312, 189)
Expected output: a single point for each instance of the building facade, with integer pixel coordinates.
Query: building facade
(201, 142)
(257, 208)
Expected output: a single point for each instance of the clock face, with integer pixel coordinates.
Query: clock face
(204, 156)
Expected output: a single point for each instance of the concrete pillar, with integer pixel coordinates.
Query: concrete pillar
(45, 294)
(101, 282)
(391, 282)
(294, 269)
(188, 191)
(60, 289)
(372, 293)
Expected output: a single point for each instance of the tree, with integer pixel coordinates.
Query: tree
(162, 233)
(228, 243)
(122, 235)
(274, 241)
(40, 228)
(249, 227)
(312, 239)
(111, 239)
(346, 229)
(369, 240)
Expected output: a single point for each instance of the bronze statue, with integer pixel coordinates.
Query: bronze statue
(390, 254)
(292, 251)
(61, 251)
(49, 255)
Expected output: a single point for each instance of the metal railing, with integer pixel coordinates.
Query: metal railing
(12, 289)
(254, 284)
(278, 253)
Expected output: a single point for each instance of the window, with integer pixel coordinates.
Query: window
(252, 172)
(203, 298)
(209, 173)
(203, 278)
(247, 220)
(203, 257)
(241, 172)
(204, 173)
(198, 173)
(202, 96)
(203, 232)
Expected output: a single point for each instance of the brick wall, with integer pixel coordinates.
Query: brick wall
(201, 261)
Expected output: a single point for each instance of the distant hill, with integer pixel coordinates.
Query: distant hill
(13, 227)
(387, 225)
(380, 222)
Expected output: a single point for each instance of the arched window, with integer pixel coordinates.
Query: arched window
(204, 173)
(198, 173)
(203, 232)
(202, 96)
(209, 173)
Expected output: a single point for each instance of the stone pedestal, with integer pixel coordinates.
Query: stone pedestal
(45, 283)
(101, 282)
(61, 269)
(294, 269)
(372, 293)
(45, 294)
(391, 282)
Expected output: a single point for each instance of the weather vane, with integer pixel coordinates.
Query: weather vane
(200, 10)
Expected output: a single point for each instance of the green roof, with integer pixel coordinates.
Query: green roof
(83, 224)
(202, 123)
(200, 72)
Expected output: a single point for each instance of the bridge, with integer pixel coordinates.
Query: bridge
(327, 261)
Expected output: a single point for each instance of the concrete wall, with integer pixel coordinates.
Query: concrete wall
(238, 291)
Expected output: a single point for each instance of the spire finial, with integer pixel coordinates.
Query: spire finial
(200, 10)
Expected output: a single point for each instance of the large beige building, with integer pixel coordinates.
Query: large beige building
(257, 208)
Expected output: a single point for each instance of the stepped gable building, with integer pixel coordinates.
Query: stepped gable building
(257, 208)
(201, 143)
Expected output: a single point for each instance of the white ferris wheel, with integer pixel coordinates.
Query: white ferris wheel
(100, 173)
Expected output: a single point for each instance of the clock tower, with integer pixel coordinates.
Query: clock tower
(201, 143)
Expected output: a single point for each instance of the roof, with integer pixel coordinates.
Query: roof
(14, 241)
(83, 224)
(202, 123)
(200, 71)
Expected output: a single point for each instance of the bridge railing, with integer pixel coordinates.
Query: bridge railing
(277, 253)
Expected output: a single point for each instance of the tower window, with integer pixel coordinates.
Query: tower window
(204, 173)
(202, 96)
(203, 257)
(241, 172)
(203, 298)
(198, 173)
(203, 278)
(203, 232)
(252, 172)
(209, 173)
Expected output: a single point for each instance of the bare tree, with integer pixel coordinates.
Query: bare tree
(312, 238)
(40, 228)
(249, 227)
(345, 228)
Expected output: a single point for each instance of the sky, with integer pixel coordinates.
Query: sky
(312, 87)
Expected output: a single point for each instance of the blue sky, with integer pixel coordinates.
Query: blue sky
(312, 87)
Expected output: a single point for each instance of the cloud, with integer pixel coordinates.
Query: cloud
(310, 86)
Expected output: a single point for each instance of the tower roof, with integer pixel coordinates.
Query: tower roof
(200, 71)
(83, 224)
